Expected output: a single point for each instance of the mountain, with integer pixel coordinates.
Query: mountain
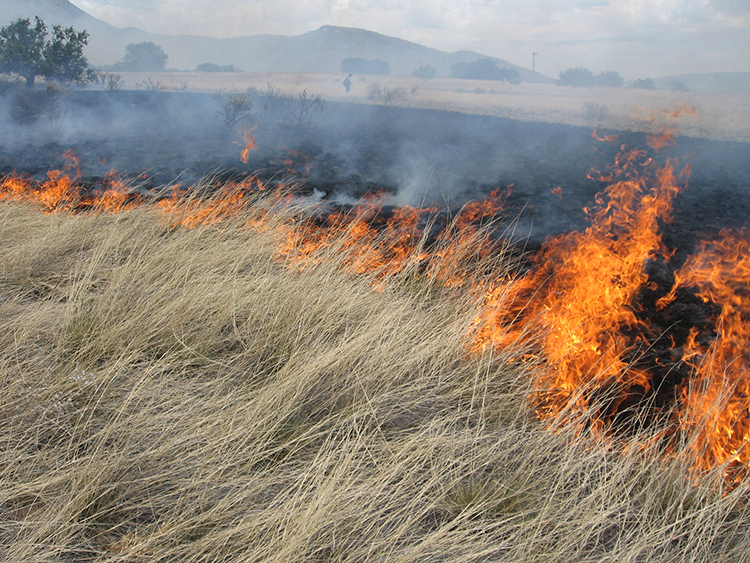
(319, 51)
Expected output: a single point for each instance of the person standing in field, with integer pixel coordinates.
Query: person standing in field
(348, 83)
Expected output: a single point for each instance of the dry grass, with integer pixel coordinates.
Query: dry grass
(720, 116)
(179, 395)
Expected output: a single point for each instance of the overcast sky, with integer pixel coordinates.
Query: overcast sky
(638, 38)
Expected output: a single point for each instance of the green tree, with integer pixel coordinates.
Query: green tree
(143, 57)
(63, 56)
(25, 49)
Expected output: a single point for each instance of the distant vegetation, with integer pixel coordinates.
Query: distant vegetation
(357, 65)
(425, 72)
(142, 57)
(582, 77)
(485, 69)
(211, 67)
(643, 84)
(28, 51)
(384, 95)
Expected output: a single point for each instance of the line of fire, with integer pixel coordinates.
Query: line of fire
(621, 333)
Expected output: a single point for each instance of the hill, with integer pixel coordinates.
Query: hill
(319, 51)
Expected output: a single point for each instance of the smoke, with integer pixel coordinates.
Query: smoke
(339, 152)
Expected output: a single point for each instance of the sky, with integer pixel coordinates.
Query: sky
(637, 38)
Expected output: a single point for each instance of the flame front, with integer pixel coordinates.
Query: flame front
(579, 297)
(715, 405)
(576, 304)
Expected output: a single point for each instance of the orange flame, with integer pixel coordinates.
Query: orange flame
(715, 406)
(577, 302)
(250, 144)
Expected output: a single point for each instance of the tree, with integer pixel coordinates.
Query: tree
(579, 76)
(643, 83)
(143, 57)
(63, 56)
(609, 78)
(425, 72)
(481, 69)
(511, 75)
(485, 69)
(211, 67)
(27, 51)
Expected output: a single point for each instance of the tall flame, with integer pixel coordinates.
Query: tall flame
(576, 302)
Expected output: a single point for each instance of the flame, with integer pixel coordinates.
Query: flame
(574, 305)
(579, 296)
(250, 144)
(715, 405)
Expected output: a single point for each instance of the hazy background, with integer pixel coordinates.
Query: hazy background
(635, 37)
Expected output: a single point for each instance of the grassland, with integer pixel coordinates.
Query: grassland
(180, 395)
(719, 116)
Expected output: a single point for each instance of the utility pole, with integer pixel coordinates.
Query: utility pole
(533, 63)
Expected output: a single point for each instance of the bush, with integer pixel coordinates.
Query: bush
(644, 84)
(579, 76)
(485, 69)
(595, 112)
(211, 67)
(424, 72)
(304, 108)
(234, 107)
(385, 96)
(610, 78)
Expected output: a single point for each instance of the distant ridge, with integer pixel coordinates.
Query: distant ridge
(319, 51)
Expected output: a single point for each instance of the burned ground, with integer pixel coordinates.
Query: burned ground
(346, 150)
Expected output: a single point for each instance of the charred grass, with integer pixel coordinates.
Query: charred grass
(176, 394)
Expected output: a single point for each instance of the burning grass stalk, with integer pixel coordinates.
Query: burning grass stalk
(179, 394)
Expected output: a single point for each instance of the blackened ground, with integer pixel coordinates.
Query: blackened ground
(346, 150)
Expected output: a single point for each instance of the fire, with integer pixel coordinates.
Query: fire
(250, 144)
(578, 303)
(715, 406)
(580, 297)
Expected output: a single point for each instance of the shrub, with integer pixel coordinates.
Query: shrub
(485, 69)
(233, 107)
(644, 84)
(579, 76)
(595, 112)
(211, 67)
(610, 78)
(424, 72)
(386, 96)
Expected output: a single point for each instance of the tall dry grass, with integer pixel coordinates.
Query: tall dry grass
(180, 395)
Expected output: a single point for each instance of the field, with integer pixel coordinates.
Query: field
(283, 359)
(176, 394)
(721, 117)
